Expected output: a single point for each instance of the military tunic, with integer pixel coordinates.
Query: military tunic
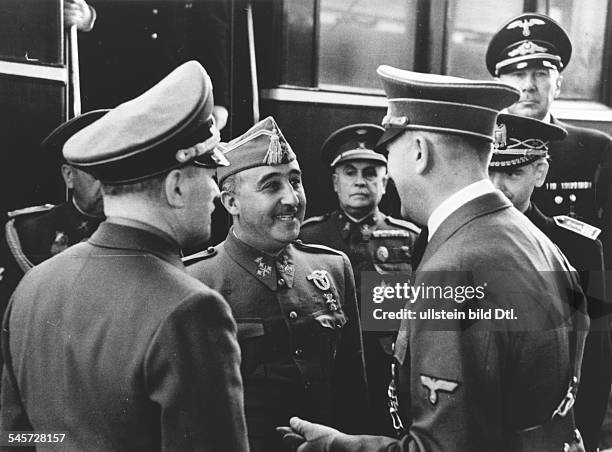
(585, 254)
(299, 334)
(378, 243)
(579, 181)
(33, 235)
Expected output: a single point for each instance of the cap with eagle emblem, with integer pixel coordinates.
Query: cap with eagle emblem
(528, 40)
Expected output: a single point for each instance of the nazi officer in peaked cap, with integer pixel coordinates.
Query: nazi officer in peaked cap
(372, 240)
(530, 52)
(295, 304)
(519, 164)
(34, 234)
(111, 340)
(461, 385)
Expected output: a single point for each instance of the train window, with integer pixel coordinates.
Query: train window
(357, 36)
(344, 41)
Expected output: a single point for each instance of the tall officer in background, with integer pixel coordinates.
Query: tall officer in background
(519, 164)
(34, 234)
(463, 385)
(372, 240)
(529, 52)
(295, 304)
(133, 44)
(112, 341)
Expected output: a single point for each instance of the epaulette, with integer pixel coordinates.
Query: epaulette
(313, 220)
(403, 224)
(197, 257)
(577, 226)
(311, 247)
(30, 210)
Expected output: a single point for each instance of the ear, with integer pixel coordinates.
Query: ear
(558, 85)
(231, 202)
(175, 188)
(541, 171)
(68, 176)
(385, 179)
(422, 154)
(335, 180)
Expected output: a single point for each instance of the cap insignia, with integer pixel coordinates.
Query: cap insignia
(525, 24)
(527, 48)
(362, 145)
(275, 153)
(395, 121)
(500, 136)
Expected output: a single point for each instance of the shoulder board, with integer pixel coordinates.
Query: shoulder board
(312, 248)
(403, 224)
(577, 226)
(197, 257)
(30, 210)
(314, 220)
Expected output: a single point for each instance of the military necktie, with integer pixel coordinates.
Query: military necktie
(419, 247)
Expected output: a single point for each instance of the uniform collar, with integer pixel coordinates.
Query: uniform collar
(455, 201)
(118, 234)
(348, 223)
(263, 266)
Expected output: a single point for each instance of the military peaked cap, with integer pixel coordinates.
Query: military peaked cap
(528, 40)
(55, 141)
(161, 129)
(354, 142)
(520, 140)
(442, 104)
(262, 145)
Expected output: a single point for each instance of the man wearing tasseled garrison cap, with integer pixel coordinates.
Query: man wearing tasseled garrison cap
(111, 341)
(295, 304)
(372, 240)
(530, 52)
(519, 164)
(466, 385)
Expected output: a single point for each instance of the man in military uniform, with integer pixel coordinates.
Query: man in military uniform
(133, 44)
(529, 52)
(112, 341)
(519, 164)
(295, 304)
(372, 240)
(504, 385)
(34, 234)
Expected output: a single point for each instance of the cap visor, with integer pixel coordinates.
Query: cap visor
(388, 136)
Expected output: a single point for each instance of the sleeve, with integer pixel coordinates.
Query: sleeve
(212, 33)
(604, 194)
(12, 413)
(192, 370)
(349, 381)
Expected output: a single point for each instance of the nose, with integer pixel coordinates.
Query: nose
(359, 179)
(497, 180)
(290, 196)
(527, 83)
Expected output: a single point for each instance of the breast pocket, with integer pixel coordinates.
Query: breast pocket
(251, 337)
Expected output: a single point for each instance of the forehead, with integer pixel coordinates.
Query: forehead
(531, 70)
(254, 175)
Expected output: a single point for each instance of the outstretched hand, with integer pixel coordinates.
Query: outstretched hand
(304, 436)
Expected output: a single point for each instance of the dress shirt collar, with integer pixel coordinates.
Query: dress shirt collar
(456, 200)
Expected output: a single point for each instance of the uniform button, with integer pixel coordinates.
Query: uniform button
(188, 5)
(281, 282)
(154, 36)
(572, 197)
(558, 199)
(155, 11)
(298, 353)
(307, 385)
(293, 315)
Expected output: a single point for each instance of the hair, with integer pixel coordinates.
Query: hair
(231, 184)
(151, 187)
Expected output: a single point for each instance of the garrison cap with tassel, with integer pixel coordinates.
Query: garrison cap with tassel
(442, 104)
(520, 140)
(526, 41)
(262, 145)
(162, 129)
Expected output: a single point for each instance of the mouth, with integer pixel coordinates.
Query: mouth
(287, 217)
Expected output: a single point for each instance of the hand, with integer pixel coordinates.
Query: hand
(77, 12)
(220, 114)
(577, 445)
(305, 436)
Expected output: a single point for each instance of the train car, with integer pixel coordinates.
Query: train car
(309, 63)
